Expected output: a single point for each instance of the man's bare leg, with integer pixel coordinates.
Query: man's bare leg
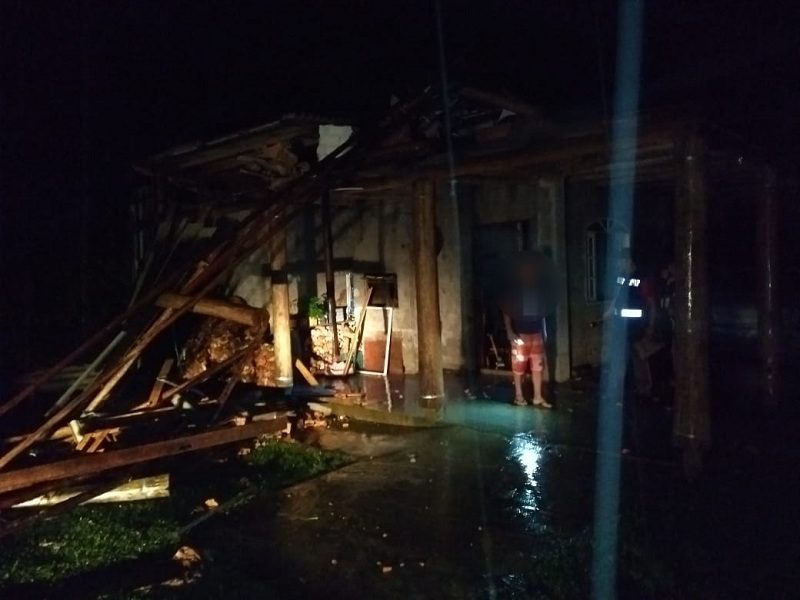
(519, 399)
(537, 386)
(538, 398)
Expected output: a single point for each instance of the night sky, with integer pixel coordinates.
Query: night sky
(88, 87)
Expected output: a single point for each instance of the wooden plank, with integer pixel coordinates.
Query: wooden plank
(93, 464)
(223, 397)
(359, 329)
(99, 438)
(96, 423)
(48, 512)
(158, 386)
(307, 375)
(91, 368)
(145, 488)
(201, 377)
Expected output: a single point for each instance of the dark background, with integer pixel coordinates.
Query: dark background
(88, 87)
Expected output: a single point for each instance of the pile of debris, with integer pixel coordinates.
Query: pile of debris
(104, 431)
(217, 341)
(322, 355)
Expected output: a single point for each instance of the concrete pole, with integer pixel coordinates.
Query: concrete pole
(692, 419)
(767, 276)
(431, 378)
(330, 287)
(281, 328)
(552, 239)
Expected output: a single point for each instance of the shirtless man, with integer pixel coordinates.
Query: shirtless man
(523, 313)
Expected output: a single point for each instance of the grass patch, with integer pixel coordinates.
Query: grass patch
(86, 538)
(275, 463)
(95, 536)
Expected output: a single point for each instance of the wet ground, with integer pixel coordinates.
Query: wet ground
(489, 500)
(498, 504)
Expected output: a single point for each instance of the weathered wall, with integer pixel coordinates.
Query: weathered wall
(585, 205)
(374, 236)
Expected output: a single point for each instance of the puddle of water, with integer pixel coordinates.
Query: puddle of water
(527, 452)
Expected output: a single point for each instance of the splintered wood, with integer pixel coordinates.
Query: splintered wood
(145, 488)
(93, 464)
(110, 440)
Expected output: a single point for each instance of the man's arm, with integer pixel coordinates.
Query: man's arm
(609, 311)
(510, 333)
(649, 293)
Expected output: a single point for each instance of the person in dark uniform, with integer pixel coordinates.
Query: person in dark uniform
(663, 363)
(634, 305)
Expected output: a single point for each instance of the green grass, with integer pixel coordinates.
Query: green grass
(86, 538)
(276, 463)
(95, 536)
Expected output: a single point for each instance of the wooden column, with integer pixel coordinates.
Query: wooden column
(692, 421)
(471, 341)
(330, 286)
(767, 282)
(281, 328)
(427, 282)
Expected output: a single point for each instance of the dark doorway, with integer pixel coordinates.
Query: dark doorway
(496, 245)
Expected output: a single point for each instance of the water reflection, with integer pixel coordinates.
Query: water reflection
(527, 452)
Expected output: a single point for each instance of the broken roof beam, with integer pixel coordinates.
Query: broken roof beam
(560, 155)
(224, 148)
(221, 309)
(505, 102)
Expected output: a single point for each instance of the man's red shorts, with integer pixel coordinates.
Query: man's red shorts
(528, 354)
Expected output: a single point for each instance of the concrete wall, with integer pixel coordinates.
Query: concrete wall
(585, 204)
(374, 236)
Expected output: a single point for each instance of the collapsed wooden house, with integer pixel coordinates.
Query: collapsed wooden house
(412, 216)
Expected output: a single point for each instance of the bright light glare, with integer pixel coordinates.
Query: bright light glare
(527, 452)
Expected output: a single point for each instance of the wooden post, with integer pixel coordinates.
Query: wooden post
(471, 337)
(281, 328)
(691, 427)
(330, 287)
(427, 279)
(767, 278)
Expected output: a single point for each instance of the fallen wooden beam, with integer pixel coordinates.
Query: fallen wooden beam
(49, 512)
(238, 313)
(93, 464)
(95, 422)
(145, 488)
(310, 379)
(158, 386)
(210, 372)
